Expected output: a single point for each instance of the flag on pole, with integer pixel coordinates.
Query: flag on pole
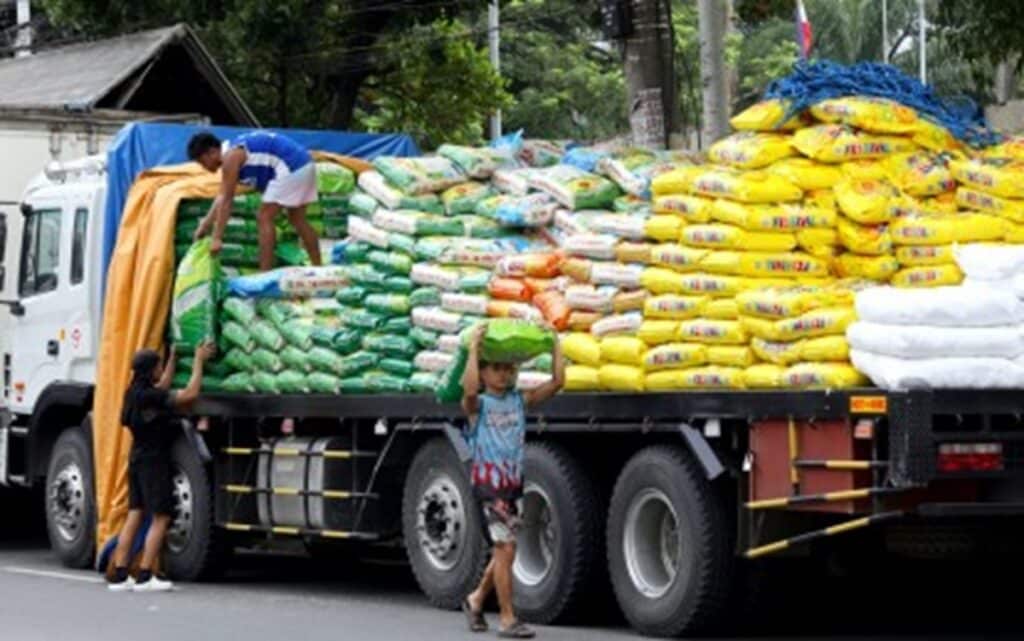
(804, 37)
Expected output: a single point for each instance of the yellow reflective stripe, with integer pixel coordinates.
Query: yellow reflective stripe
(337, 454)
(848, 465)
(794, 477)
(764, 550)
(849, 525)
(280, 529)
(240, 527)
(337, 494)
(335, 534)
(285, 491)
(767, 503)
(238, 450)
(239, 489)
(845, 495)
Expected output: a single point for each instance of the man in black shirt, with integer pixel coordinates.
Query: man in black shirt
(150, 413)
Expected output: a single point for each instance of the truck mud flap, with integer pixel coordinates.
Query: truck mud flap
(702, 451)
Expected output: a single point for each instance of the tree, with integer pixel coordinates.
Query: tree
(713, 20)
(649, 73)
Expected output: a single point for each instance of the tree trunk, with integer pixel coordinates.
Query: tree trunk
(714, 78)
(650, 77)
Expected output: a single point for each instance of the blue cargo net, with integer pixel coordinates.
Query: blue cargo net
(810, 83)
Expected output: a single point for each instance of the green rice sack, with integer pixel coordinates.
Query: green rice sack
(239, 383)
(361, 204)
(480, 227)
(292, 382)
(424, 338)
(395, 346)
(462, 198)
(180, 380)
(194, 208)
(265, 383)
(347, 341)
(425, 297)
(237, 255)
(298, 333)
(391, 262)
(295, 359)
(333, 206)
(388, 304)
(542, 363)
(398, 367)
(358, 362)
(398, 285)
(323, 383)
(238, 360)
(402, 242)
(510, 340)
(368, 277)
(362, 319)
(353, 385)
(266, 336)
(323, 336)
(291, 254)
(356, 252)
(238, 310)
(380, 382)
(235, 334)
(332, 178)
(237, 230)
(351, 295)
(212, 384)
(325, 360)
(217, 368)
(423, 382)
(195, 297)
(266, 361)
(400, 325)
(449, 389)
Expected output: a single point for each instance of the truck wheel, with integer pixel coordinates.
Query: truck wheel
(442, 527)
(558, 548)
(70, 500)
(669, 545)
(196, 548)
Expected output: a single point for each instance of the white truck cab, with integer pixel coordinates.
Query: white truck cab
(53, 282)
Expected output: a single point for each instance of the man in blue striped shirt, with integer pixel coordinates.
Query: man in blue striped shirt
(276, 166)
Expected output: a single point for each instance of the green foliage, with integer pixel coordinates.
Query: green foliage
(766, 53)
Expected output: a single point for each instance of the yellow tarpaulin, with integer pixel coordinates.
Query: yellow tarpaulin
(139, 282)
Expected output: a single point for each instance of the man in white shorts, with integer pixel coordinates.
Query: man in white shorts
(276, 166)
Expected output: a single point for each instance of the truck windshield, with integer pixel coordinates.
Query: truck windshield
(40, 252)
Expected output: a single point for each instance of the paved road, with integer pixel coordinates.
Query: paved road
(275, 598)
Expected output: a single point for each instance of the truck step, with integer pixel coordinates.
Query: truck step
(294, 491)
(327, 454)
(285, 530)
(827, 497)
(839, 528)
(21, 431)
(841, 464)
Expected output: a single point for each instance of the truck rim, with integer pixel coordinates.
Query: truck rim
(441, 522)
(535, 544)
(67, 501)
(181, 527)
(651, 543)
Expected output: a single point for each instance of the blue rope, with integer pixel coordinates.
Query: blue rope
(811, 83)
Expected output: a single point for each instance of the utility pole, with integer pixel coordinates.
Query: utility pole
(650, 74)
(885, 31)
(494, 42)
(922, 42)
(712, 15)
(23, 41)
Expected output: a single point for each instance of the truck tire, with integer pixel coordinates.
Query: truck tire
(669, 545)
(558, 552)
(196, 548)
(70, 500)
(441, 525)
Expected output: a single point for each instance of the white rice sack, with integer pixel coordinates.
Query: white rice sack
(627, 323)
(627, 226)
(598, 246)
(512, 181)
(963, 306)
(403, 222)
(569, 222)
(911, 341)
(527, 381)
(990, 262)
(365, 231)
(373, 183)
(889, 372)
(432, 361)
(437, 319)
(464, 303)
(435, 275)
(617, 274)
(591, 299)
(449, 343)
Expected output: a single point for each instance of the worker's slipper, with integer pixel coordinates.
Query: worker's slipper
(516, 631)
(475, 619)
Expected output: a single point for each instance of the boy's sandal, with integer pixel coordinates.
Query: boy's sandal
(516, 631)
(475, 620)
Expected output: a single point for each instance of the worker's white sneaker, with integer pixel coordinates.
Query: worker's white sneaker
(122, 586)
(154, 584)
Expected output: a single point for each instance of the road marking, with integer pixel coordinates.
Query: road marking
(84, 578)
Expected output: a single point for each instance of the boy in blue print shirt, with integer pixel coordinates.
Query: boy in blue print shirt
(497, 423)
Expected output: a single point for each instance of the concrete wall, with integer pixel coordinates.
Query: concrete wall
(1007, 118)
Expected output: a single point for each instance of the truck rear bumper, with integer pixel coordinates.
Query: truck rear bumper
(966, 510)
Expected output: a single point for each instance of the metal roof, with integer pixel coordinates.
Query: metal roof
(81, 77)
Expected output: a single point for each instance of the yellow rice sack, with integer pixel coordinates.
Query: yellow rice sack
(865, 201)
(878, 268)
(974, 227)
(711, 377)
(924, 230)
(581, 378)
(721, 262)
(836, 143)
(763, 376)
(658, 332)
(677, 181)
(935, 137)
(578, 269)
(659, 280)
(581, 348)
(674, 306)
(714, 285)
(722, 309)
(629, 301)
(920, 174)
(1010, 149)
(999, 178)
(824, 349)
(924, 255)
(980, 201)
(621, 378)
(823, 198)
(747, 187)
(822, 376)
(864, 239)
(633, 252)
(675, 356)
(731, 355)
(868, 113)
(1014, 234)
(777, 352)
(750, 150)
(805, 173)
(782, 264)
(663, 227)
(943, 203)
(722, 236)
(767, 115)
(772, 218)
(624, 350)
(677, 257)
(819, 322)
(712, 332)
(863, 170)
(821, 243)
(930, 276)
(692, 209)
(782, 302)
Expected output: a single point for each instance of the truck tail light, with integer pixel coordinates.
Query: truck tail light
(970, 457)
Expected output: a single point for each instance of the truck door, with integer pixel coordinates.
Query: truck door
(39, 337)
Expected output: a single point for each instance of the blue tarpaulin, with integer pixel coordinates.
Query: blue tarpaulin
(141, 146)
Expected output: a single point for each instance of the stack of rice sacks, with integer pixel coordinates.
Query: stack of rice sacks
(992, 183)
